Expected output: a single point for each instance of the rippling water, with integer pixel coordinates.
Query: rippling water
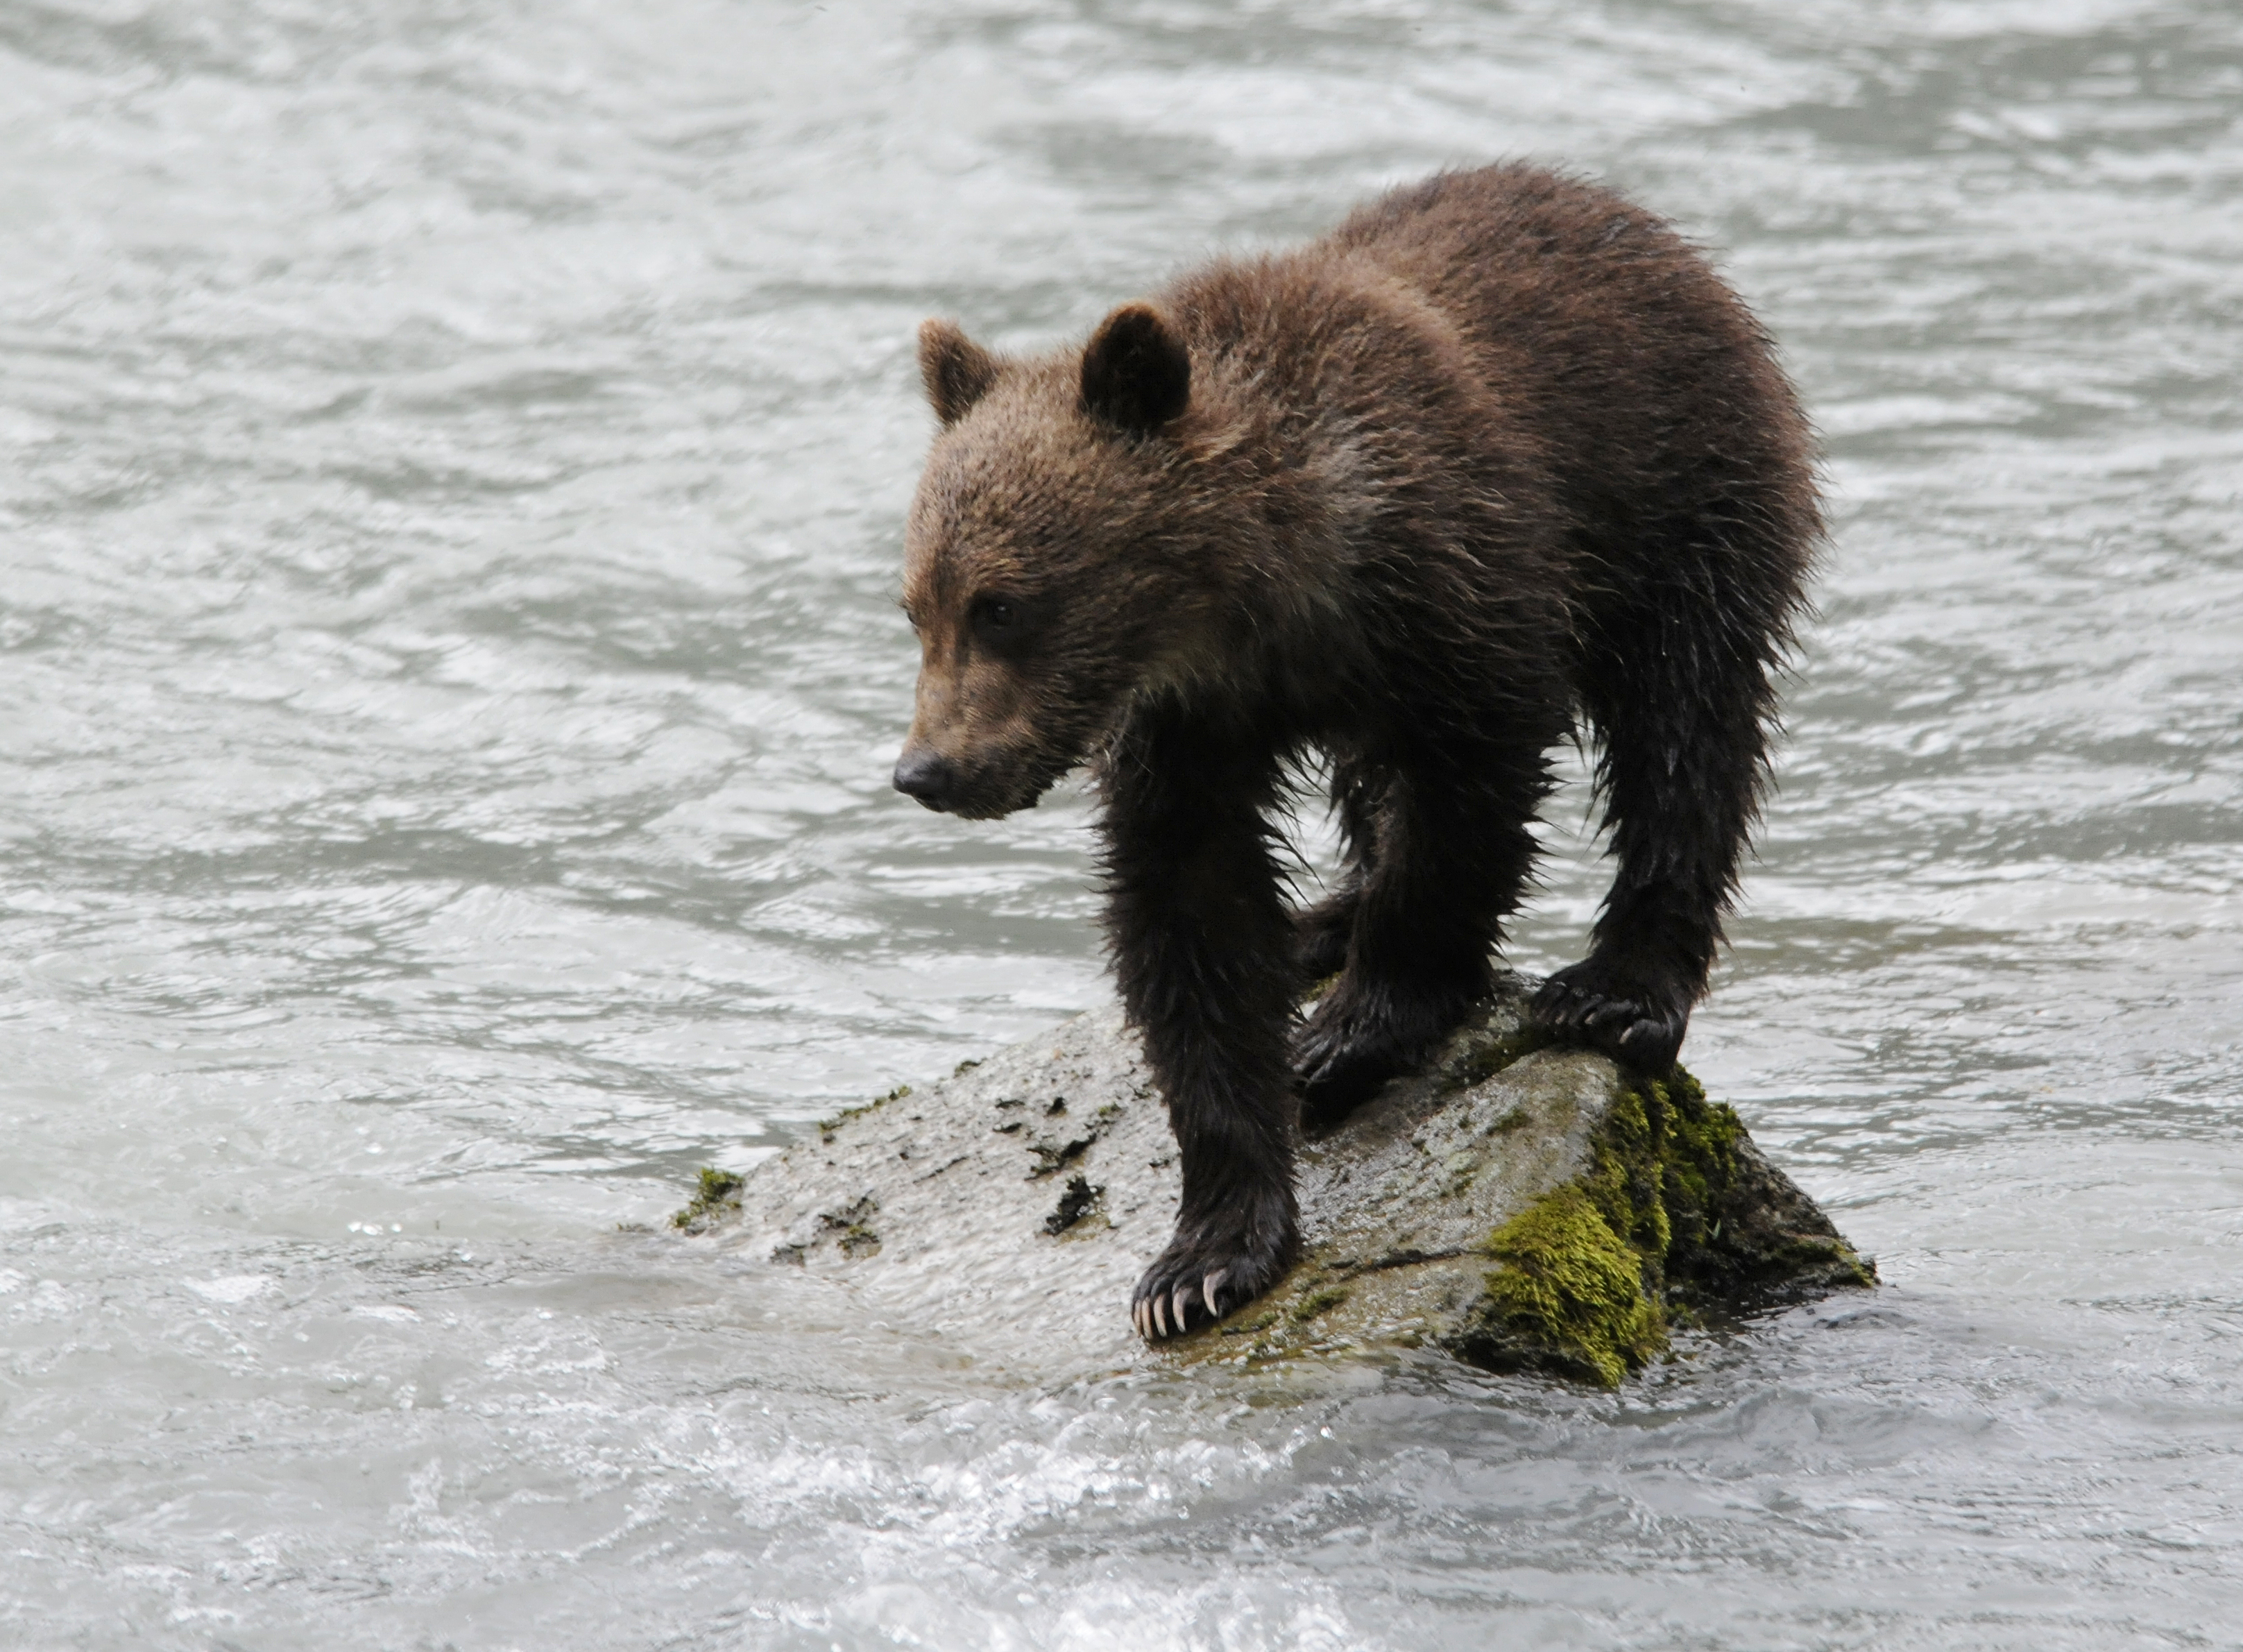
(451, 462)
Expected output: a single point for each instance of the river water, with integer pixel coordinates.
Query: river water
(451, 463)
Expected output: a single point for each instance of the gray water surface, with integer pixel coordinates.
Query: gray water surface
(451, 466)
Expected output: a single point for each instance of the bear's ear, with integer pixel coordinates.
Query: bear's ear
(1136, 372)
(956, 371)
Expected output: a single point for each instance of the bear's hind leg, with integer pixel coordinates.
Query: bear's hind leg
(1321, 931)
(1679, 689)
(1451, 858)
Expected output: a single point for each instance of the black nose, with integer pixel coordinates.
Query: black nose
(923, 775)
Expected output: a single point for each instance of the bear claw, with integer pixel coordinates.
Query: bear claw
(1356, 1041)
(1593, 1003)
(1179, 1293)
(1339, 1061)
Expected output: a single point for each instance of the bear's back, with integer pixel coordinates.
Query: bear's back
(1655, 388)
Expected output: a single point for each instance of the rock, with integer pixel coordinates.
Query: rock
(1519, 1205)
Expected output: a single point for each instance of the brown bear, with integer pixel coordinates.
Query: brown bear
(1498, 454)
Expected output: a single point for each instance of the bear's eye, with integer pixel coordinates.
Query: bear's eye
(1002, 623)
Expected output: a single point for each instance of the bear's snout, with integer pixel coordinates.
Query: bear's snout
(924, 775)
(973, 786)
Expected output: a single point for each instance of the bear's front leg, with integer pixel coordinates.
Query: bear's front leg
(1205, 954)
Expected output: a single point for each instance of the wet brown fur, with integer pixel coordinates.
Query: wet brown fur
(1500, 453)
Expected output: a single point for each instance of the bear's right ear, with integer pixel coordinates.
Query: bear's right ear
(1136, 372)
(956, 371)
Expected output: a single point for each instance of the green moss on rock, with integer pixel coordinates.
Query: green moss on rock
(1569, 1294)
(717, 1197)
(1677, 1205)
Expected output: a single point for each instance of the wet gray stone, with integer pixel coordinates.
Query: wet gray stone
(1010, 1208)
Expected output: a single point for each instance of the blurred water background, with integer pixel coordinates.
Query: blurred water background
(452, 455)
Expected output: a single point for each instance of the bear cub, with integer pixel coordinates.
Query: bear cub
(1498, 456)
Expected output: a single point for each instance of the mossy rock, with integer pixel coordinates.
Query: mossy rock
(1678, 1209)
(716, 1198)
(1569, 1293)
(1522, 1206)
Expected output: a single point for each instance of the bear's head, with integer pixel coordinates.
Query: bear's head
(1054, 561)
